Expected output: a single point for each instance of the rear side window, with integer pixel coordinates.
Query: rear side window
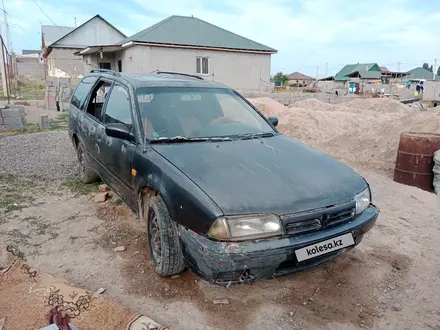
(82, 90)
(118, 109)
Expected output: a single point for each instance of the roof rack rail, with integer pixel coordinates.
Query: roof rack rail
(112, 72)
(179, 74)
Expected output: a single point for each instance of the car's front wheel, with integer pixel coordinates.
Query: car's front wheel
(86, 173)
(163, 239)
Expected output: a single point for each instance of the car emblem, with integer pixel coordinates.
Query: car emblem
(324, 219)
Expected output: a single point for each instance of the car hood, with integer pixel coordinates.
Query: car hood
(276, 175)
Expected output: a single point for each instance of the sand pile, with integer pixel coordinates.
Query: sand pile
(268, 106)
(315, 104)
(376, 146)
(381, 105)
(360, 131)
(313, 126)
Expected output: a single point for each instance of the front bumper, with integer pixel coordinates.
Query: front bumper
(239, 262)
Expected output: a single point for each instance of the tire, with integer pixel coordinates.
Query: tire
(86, 173)
(163, 239)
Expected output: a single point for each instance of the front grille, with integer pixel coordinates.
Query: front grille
(309, 221)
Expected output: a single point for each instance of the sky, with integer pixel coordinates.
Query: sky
(315, 37)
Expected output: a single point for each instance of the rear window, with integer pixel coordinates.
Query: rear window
(82, 90)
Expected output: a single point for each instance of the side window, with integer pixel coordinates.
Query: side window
(118, 109)
(82, 90)
(97, 99)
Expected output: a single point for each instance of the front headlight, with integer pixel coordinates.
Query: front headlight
(362, 200)
(240, 228)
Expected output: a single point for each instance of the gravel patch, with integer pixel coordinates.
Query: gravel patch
(45, 155)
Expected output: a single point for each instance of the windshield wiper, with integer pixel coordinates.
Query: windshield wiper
(182, 139)
(255, 135)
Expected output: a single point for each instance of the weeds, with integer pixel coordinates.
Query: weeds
(117, 201)
(58, 124)
(79, 188)
(14, 207)
(14, 191)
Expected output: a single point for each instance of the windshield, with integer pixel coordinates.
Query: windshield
(195, 113)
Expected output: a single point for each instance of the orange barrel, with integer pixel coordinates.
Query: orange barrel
(414, 160)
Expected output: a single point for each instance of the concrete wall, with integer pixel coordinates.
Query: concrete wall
(29, 67)
(237, 70)
(94, 32)
(62, 63)
(91, 61)
(58, 89)
(431, 90)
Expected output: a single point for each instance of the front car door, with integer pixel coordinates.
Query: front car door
(117, 154)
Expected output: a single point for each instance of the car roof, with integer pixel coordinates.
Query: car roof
(159, 79)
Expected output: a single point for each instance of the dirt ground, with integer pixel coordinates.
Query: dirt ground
(390, 281)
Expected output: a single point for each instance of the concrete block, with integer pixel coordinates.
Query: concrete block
(65, 106)
(44, 122)
(2, 128)
(52, 89)
(3, 104)
(15, 127)
(12, 121)
(18, 107)
(10, 113)
(63, 84)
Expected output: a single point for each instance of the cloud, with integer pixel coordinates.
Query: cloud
(307, 33)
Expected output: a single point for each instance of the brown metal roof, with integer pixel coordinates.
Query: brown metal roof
(299, 76)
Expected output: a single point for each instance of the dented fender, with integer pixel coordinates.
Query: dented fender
(187, 204)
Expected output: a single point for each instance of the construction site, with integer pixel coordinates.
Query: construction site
(255, 199)
(389, 282)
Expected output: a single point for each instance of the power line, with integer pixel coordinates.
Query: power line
(50, 19)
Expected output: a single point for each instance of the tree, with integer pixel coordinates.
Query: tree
(427, 67)
(281, 77)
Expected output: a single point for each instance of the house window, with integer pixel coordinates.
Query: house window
(105, 65)
(202, 65)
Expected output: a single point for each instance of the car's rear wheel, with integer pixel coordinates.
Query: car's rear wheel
(86, 173)
(163, 239)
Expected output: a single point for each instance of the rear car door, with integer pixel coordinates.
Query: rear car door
(117, 154)
(76, 109)
(92, 121)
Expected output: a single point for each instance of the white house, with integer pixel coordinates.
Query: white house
(59, 43)
(187, 45)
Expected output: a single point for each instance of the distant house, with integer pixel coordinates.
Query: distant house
(30, 51)
(60, 42)
(360, 70)
(299, 78)
(384, 69)
(188, 45)
(421, 73)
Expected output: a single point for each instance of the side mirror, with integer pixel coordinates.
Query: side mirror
(119, 131)
(273, 120)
